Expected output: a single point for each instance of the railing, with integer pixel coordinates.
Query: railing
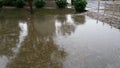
(111, 8)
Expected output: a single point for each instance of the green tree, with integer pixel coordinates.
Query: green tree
(1, 3)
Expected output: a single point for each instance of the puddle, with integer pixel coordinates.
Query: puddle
(58, 41)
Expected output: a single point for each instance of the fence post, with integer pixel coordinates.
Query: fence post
(98, 5)
(104, 7)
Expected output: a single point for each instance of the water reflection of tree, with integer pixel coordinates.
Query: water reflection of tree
(68, 23)
(61, 18)
(79, 19)
(9, 33)
(38, 50)
(66, 28)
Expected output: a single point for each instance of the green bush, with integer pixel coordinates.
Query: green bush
(9, 2)
(79, 5)
(1, 3)
(39, 3)
(20, 3)
(61, 3)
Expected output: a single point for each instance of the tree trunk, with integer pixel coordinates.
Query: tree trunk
(31, 6)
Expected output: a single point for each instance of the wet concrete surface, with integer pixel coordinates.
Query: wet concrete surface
(58, 41)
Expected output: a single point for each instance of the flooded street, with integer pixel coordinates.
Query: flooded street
(58, 41)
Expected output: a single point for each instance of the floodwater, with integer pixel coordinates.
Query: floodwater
(58, 41)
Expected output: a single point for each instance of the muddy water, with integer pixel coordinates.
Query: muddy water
(58, 41)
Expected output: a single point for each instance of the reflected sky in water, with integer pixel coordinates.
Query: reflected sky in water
(4, 60)
(58, 41)
(92, 45)
(23, 34)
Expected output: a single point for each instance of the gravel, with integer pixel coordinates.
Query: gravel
(111, 20)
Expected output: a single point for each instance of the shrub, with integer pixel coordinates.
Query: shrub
(79, 5)
(9, 2)
(20, 3)
(1, 3)
(39, 3)
(61, 3)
